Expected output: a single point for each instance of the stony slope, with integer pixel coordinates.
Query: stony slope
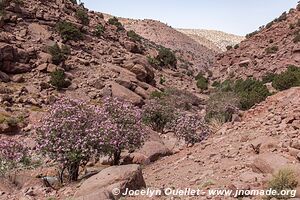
(216, 40)
(162, 34)
(227, 159)
(271, 49)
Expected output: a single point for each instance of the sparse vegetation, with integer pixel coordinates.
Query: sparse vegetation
(157, 115)
(236, 46)
(166, 57)
(190, 128)
(249, 91)
(73, 1)
(251, 34)
(134, 36)
(12, 155)
(162, 80)
(269, 77)
(272, 50)
(68, 31)
(58, 79)
(59, 55)
(289, 78)
(99, 31)
(285, 179)
(221, 106)
(202, 82)
(296, 37)
(153, 61)
(229, 47)
(81, 14)
(115, 22)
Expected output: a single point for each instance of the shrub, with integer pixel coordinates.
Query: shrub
(180, 99)
(285, 179)
(82, 15)
(229, 47)
(251, 34)
(99, 31)
(58, 79)
(115, 22)
(296, 38)
(202, 82)
(58, 54)
(268, 77)
(282, 17)
(190, 128)
(236, 46)
(68, 31)
(71, 134)
(73, 1)
(162, 80)
(271, 50)
(153, 61)
(221, 106)
(287, 79)
(134, 36)
(125, 129)
(166, 57)
(157, 94)
(269, 25)
(12, 154)
(216, 84)
(157, 115)
(250, 92)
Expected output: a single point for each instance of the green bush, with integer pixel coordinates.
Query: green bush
(134, 36)
(236, 46)
(221, 106)
(271, 50)
(250, 92)
(268, 77)
(58, 79)
(251, 34)
(99, 31)
(287, 79)
(166, 57)
(285, 179)
(58, 54)
(68, 31)
(202, 83)
(162, 80)
(229, 47)
(153, 61)
(115, 22)
(73, 1)
(82, 15)
(157, 94)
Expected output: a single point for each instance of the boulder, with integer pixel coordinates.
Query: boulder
(101, 185)
(154, 150)
(268, 163)
(122, 92)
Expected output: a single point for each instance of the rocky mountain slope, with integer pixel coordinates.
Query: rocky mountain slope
(162, 34)
(216, 40)
(97, 58)
(271, 49)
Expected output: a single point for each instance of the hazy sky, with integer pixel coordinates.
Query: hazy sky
(233, 16)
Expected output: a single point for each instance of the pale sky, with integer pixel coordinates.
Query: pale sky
(232, 16)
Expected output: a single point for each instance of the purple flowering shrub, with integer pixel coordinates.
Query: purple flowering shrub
(74, 131)
(11, 154)
(190, 128)
(71, 133)
(125, 127)
(157, 115)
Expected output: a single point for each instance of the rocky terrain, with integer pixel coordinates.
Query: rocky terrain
(98, 58)
(271, 49)
(216, 40)
(198, 54)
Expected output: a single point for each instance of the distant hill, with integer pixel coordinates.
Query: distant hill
(216, 40)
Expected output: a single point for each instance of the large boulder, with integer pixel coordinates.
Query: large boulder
(139, 65)
(269, 163)
(122, 92)
(102, 185)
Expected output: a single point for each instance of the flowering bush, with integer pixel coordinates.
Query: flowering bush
(190, 128)
(11, 154)
(71, 133)
(124, 126)
(74, 131)
(157, 115)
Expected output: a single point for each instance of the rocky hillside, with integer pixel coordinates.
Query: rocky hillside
(162, 34)
(271, 49)
(216, 40)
